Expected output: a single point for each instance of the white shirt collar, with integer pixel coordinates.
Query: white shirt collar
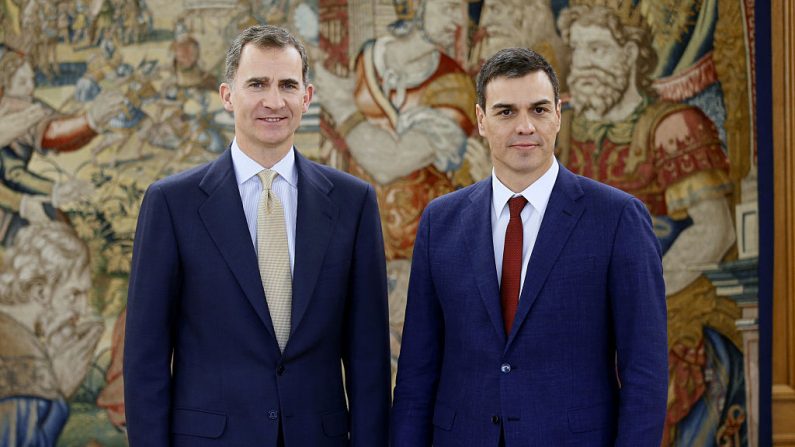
(245, 167)
(537, 194)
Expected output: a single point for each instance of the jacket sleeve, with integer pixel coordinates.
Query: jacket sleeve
(365, 353)
(421, 351)
(151, 308)
(637, 294)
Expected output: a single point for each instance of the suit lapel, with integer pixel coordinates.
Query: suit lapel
(222, 215)
(562, 214)
(315, 221)
(481, 251)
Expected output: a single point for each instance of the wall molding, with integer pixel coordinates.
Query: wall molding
(783, 355)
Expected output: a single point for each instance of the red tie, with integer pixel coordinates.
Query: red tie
(512, 262)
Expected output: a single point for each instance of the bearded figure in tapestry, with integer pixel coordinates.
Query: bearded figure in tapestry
(618, 130)
(48, 332)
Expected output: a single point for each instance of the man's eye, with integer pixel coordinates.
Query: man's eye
(540, 110)
(505, 112)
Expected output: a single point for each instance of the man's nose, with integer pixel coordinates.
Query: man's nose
(525, 125)
(272, 99)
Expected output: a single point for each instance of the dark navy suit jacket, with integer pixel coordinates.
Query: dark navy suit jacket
(201, 362)
(585, 363)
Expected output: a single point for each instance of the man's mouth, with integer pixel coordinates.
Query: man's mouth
(271, 119)
(524, 145)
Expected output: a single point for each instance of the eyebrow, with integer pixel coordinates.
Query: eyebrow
(257, 79)
(502, 106)
(267, 79)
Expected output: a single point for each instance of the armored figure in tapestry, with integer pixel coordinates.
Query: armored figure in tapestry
(407, 87)
(408, 127)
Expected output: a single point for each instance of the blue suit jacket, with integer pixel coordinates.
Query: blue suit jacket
(195, 293)
(592, 307)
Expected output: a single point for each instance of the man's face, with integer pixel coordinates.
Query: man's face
(267, 97)
(600, 68)
(444, 20)
(520, 122)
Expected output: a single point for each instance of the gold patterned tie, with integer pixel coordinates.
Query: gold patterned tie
(274, 258)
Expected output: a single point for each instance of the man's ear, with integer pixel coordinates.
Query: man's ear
(225, 90)
(480, 114)
(558, 108)
(307, 99)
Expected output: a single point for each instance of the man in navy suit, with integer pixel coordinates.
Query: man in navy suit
(536, 306)
(209, 358)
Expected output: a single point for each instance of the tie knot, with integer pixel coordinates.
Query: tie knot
(266, 176)
(516, 205)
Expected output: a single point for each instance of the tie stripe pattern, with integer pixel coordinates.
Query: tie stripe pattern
(273, 256)
(512, 262)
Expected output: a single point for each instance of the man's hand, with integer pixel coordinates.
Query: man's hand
(442, 133)
(429, 121)
(71, 348)
(15, 124)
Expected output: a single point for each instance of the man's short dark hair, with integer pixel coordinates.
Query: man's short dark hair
(263, 36)
(514, 63)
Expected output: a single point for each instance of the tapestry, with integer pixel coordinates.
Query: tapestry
(99, 98)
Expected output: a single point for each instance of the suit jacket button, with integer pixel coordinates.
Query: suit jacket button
(280, 370)
(495, 420)
(273, 415)
(505, 368)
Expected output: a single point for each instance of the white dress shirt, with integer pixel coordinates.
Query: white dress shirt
(537, 195)
(285, 186)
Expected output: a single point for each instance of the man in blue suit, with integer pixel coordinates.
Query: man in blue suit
(257, 281)
(536, 307)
